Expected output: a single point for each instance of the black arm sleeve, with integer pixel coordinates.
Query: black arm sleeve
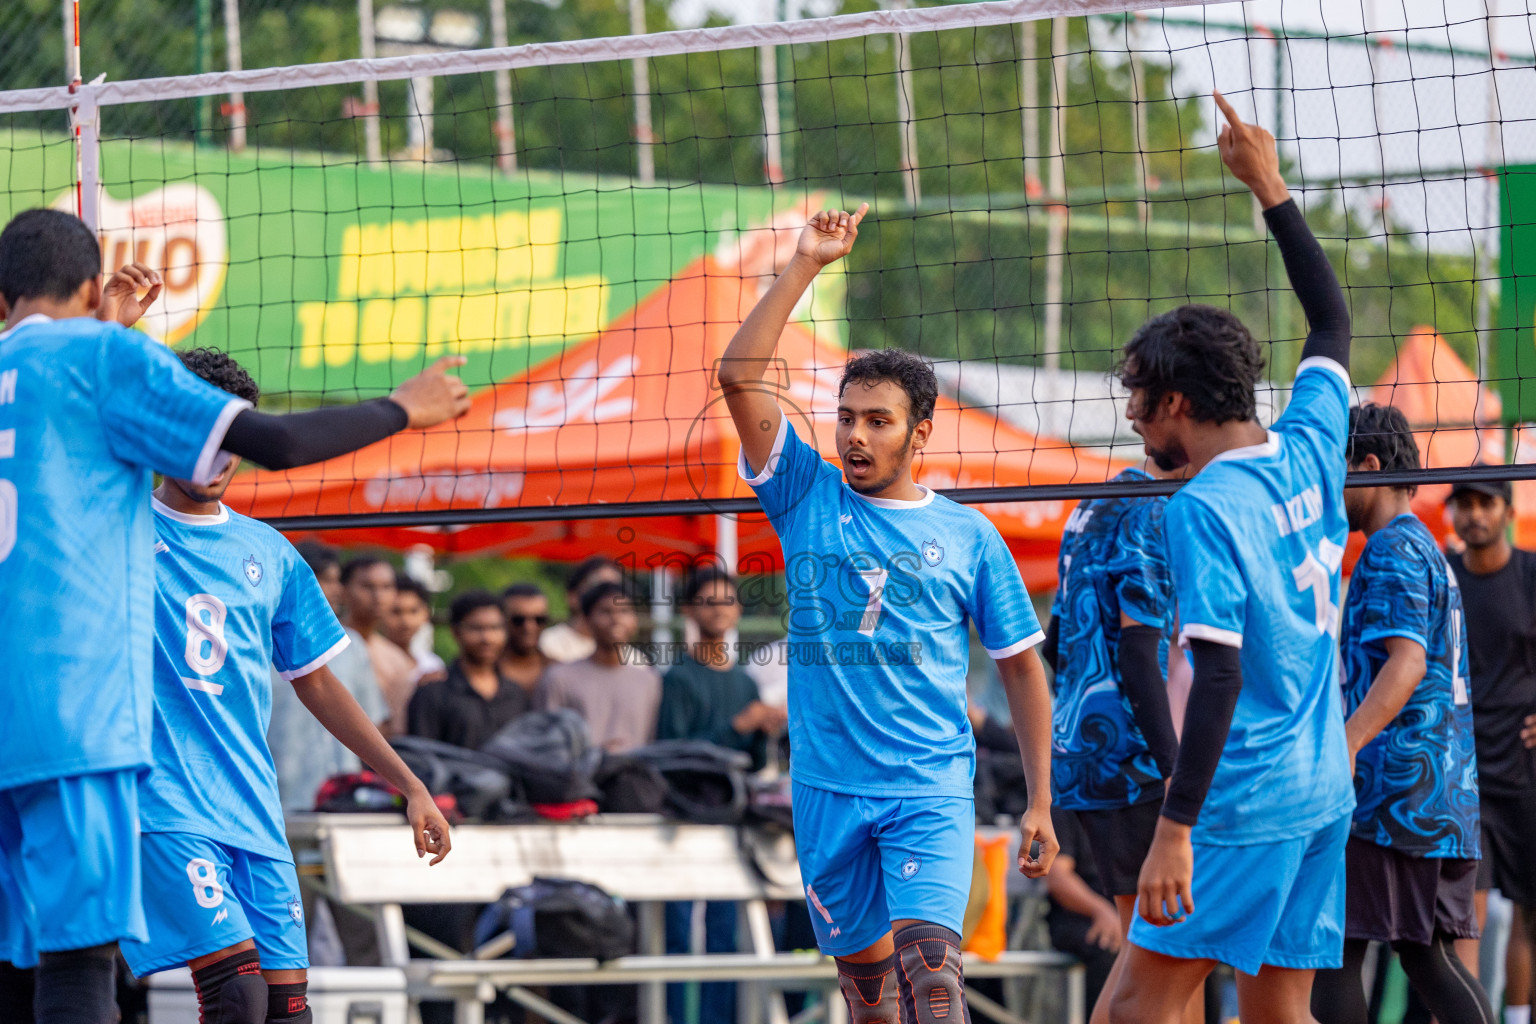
(1207, 719)
(1316, 287)
(1141, 675)
(1050, 648)
(297, 439)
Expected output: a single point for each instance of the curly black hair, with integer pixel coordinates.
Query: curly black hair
(1382, 431)
(218, 369)
(1204, 353)
(912, 373)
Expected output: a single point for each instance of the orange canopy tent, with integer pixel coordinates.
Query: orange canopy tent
(635, 414)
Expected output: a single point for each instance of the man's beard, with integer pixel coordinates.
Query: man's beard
(1167, 459)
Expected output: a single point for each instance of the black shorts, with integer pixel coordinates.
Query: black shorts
(1509, 837)
(1392, 897)
(1118, 841)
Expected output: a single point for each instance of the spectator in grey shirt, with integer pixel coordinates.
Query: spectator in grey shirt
(616, 697)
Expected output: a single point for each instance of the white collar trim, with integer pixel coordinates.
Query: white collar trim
(35, 318)
(926, 499)
(191, 520)
(1271, 446)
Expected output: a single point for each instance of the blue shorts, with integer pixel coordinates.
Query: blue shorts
(1280, 904)
(69, 864)
(867, 861)
(201, 896)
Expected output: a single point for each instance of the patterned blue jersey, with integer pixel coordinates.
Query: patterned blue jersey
(1256, 541)
(1112, 561)
(87, 409)
(1416, 782)
(880, 596)
(233, 599)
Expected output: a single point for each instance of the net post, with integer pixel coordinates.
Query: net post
(1056, 218)
(906, 102)
(1029, 102)
(768, 85)
(235, 61)
(88, 135)
(506, 146)
(645, 158)
(366, 49)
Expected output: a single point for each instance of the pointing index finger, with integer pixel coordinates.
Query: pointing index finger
(1226, 108)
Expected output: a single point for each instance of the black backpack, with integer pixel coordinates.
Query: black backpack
(559, 917)
(629, 786)
(550, 754)
(480, 784)
(706, 784)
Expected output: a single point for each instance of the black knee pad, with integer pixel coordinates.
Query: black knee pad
(241, 1000)
(871, 990)
(932, 976)
(288, 1003)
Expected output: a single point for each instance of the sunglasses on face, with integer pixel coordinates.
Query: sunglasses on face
(537, 620)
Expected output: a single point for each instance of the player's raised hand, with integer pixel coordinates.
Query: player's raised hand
(1250, 153)
(1163, 891)
(121, 301)
(1035, 827)
(829, 235)
(434, 395)
(428, 826)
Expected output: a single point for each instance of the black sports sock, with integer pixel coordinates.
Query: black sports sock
(77, 986)
(231, 990)
(288, 1003)
(1443, 981)
(1338, 995)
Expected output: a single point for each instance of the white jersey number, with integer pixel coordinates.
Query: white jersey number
(871, 617)
(205, 883)
(7, 518)
(206, 646)
(1315, 573)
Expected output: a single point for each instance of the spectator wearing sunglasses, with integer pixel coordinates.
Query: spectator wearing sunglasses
(527, 612)
(477, 698)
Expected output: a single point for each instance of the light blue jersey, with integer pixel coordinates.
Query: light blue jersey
(1256, 541)
(87, 409)
(233, 598)
(881, 594)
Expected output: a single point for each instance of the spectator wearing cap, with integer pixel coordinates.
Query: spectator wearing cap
(527, 613)
(572, 640)
(1498, 594)
(613, 693)
(706, 694)
(406, 626)
(476, 698)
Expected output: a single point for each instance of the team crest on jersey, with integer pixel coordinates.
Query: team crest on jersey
(252, 571)
(911, 866)
(296, 910)
(933, 554)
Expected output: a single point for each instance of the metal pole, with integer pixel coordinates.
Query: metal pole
(420, 135)
(1029, 102)
(71, 9)
(1493, 158)
(506, 143)
(1139, 101)
(1056, 219)
(786, 105)
(768, 85)
(1377, 115)
(905, 104)
(645, 158)
(371, 147)
(235, 61)
(725, 543)
(204, 62)
(72, 67)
